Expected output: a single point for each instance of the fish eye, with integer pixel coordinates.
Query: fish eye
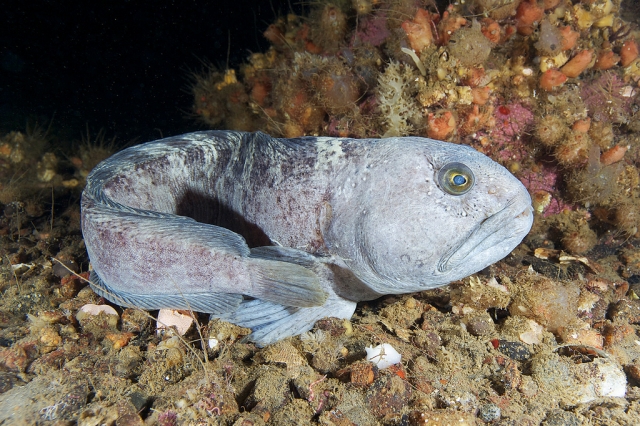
(456, 178)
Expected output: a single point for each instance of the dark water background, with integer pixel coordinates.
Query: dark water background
(121, 66)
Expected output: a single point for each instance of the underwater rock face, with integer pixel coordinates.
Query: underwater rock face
(353, 219)
(400, 68)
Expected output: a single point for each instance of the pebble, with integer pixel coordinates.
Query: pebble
(388, 395)
(489, 412)
(514, 350)
(561, 418)
(578, 383)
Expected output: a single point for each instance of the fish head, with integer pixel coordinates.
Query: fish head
(425, 213)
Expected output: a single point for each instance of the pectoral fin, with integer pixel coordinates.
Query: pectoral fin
(286, 283)
(270, 322)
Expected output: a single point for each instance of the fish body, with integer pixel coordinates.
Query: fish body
(274, 234)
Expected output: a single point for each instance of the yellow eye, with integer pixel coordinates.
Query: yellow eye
(456, 178)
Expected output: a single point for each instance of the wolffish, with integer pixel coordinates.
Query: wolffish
(274, 234)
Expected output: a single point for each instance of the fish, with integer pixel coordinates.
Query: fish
(274, 234)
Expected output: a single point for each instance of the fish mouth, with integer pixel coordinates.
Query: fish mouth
(499, 233)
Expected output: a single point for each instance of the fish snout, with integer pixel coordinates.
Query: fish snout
(491, 240)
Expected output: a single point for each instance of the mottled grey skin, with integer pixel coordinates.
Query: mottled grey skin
(170, 223)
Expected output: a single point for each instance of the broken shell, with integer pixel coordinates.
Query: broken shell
(168, 318)
(90, 310)
(383, 356)
(534, 335)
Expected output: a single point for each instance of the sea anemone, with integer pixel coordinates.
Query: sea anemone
(577, 64)
(527, 14)
(551, 79)
(418, 31)
(628, 53)
(606, 59)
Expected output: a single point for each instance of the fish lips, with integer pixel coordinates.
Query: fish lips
(491, 240)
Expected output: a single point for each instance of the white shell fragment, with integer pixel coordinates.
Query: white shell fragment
(534, 335)
(168, 318)
(582, 383)
(383, 356)
(89, 311)
(601, 378)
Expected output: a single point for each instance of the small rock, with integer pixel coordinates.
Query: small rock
(562, 418)
(633, 371)
(441, 418)
(480, 324)
(295, 413)
(581, 383)
(514, 350)
(7, 380)
(362, 373)
(489, 412)
(52, 361)
(49, 339)
(119, 340)
(53, 317)
(98, 415)
(72, 284)
(135, 320)
(17, 358)
(459, 399)
(249, 419)
(270, 392)
(128, 415)
(528, 387)
(334, 326)
(575, 334)
(388, 395)
(626, 311)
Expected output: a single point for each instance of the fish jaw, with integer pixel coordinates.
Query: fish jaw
(488, 240)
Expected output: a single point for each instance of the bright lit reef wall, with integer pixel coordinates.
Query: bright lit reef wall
(547, 88)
